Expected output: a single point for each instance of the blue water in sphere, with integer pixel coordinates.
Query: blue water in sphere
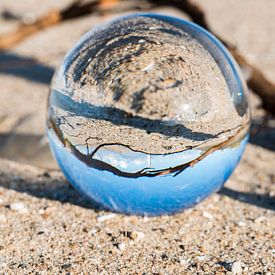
(148, 115)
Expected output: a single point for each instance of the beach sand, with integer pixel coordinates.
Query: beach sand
(47, 228)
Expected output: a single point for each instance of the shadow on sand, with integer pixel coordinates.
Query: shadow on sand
(25, 67)
(55, 187)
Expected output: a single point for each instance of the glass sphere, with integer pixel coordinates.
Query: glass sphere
(148, 114)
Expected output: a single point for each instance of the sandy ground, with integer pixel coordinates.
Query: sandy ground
(47, 228)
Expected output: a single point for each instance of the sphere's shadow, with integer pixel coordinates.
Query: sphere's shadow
(55, 187)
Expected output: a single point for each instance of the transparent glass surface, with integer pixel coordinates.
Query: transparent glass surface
(148, 114)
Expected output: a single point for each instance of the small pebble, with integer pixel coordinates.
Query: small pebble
(141, 41)
(66, 266)
(241, 224)
(148, 68)
(93, 231)
(121, 246)
(184, 262)
(236, 268)
(137, 235)
(107, 217)
(19, 207)
(260, 219)
(41, 211)
(201, 258)
(207, 215)
(216, 198)
(169, 83)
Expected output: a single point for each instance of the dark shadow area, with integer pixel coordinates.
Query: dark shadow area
(9, 15)
(226, 265)
(121, 117)
(26, 148)
(262, 134)
(48, 187)
(260, 200)
(24, 67)
(58, 189)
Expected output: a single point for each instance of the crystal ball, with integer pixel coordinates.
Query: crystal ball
(148, 115)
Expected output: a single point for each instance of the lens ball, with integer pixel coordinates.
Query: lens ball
(148, 114)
